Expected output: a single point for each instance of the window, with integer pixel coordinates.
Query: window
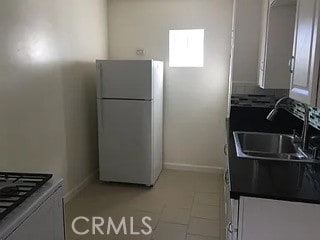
(186, 48)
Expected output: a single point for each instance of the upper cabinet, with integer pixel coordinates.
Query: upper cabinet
(306, 52)
(276, 41)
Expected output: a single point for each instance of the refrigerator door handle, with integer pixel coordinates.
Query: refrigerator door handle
(100, 79)
(100, 116)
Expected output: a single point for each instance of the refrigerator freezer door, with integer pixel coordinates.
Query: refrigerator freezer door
(125, 141)
(125, 79)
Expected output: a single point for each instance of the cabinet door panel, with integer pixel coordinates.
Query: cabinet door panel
(304, 80)
(276, 43)
(263, 42)
(279, 46)
(266, 219)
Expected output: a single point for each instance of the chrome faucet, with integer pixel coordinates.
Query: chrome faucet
(304, 135)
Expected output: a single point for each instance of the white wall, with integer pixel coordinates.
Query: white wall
(47, 86)
(195, 98)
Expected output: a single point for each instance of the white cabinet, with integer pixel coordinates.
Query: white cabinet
(276, 41)
(232, 220)
(266, 219)
(231, 56)
(306, 53)
(231, 210)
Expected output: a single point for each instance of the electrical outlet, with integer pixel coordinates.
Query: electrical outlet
(140, 52)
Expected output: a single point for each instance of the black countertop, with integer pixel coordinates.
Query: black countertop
(299, 182)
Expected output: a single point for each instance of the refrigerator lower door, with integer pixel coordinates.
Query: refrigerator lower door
(125, 141)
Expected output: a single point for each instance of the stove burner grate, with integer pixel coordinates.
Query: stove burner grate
(17, 187)
(9, 191)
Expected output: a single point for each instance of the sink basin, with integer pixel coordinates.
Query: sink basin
(268, 146)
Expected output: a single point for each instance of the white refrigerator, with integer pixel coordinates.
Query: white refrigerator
(130, 120)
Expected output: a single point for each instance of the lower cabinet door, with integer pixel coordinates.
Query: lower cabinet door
(305, 61)
(235, 217)
(264, 219)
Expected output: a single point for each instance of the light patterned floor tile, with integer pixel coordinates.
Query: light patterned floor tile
(207, 198)
(141, 236)
(172, 199)
(195, 237)
(205, 211)
(139, 215)
(204, 227)
(165, 231)
(175, 215)
(179, 201)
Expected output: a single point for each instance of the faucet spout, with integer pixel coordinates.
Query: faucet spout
(304, 134)
(274, 111)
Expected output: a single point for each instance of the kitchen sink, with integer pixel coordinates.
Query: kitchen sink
(269, 146)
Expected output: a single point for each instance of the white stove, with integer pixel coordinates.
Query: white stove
(16, 187)
(31, 207)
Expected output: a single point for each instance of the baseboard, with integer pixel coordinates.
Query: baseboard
(73, 192)
(195, 168)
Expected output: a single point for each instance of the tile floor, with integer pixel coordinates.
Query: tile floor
(182, 205)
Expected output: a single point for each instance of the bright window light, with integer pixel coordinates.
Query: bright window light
(186, 48)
